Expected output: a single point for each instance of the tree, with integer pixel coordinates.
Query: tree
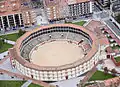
(1, 42)
(106, 70)
(21, 32)
(114, 72)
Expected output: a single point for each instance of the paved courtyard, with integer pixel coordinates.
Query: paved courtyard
(110, 65)
(69, 83)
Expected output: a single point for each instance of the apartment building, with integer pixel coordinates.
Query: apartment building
(61, 9)
(14, 13)
(80, 7)
(52, 9)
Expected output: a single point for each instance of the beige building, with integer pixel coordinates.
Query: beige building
(53, 9)
(29, 17)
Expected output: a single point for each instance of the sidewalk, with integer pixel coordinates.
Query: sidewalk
(69, 83)
(10, 42)
(26, 84)
(15, 31)
(3, 54)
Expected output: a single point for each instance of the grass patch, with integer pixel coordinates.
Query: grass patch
(99, 75)
(11, 83)
(12, 37)
(5, 47)
(5, 83)
(117, 59)
(81, 23)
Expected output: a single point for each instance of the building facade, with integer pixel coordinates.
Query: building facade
(11, 21)
(61, 9)
(14, 14)
(80, 8)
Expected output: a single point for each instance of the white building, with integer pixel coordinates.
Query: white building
(80, 7)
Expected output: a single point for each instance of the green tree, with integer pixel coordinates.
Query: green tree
(21, 32)
(106, 70)
(1, 42)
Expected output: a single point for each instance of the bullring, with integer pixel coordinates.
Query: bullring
(86, 40)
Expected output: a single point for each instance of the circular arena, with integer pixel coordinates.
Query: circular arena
(55, 52)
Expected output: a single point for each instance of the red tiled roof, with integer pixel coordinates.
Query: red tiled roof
(111, 81)
(49, 3)
(12, 7)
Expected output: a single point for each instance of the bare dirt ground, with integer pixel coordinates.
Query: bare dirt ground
(56, 53)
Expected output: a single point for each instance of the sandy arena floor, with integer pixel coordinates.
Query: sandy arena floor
(56, 53)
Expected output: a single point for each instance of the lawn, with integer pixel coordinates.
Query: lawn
(81, 23)
(16, 84)
(5, 47)
(99, 75)
(12, 37)
(117, 59)
(11, 83)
